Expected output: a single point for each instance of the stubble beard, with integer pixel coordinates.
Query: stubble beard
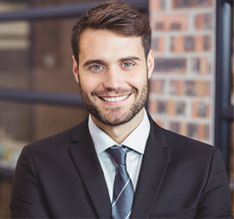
(114, 116)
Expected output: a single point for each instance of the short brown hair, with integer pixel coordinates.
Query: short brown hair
(116, 16)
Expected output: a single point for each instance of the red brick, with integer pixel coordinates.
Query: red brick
(203, 43)
(177, 44)
(191, 3)
(205, 66)
(183, 129)
(180, 108)
(157, 86)
(189, 43)
(199, 43)
(203, 132)
(201, 65)
(203, 88)
(175, 107)
(161, 106)
(156, 5)
(171, 107)
(158, 44)
(203, 21)
(175, 126)
(168, 22)
(200, 109)
(192, 130)
(197, 88)
(190, 88)
(206, 43)
(169, 65)
(177, 87)
(152, 106)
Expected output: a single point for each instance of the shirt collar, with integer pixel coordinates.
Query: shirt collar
(136, 140)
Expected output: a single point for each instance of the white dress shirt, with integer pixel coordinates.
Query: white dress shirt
(136, 141)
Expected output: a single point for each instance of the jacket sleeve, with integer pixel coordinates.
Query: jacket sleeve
(27, 200)
(215, 199)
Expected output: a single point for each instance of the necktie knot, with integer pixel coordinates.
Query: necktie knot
(118, 154)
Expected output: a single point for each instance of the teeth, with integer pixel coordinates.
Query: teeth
(114, 99)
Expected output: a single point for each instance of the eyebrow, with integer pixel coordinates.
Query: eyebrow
(130, 58)
(91, 61)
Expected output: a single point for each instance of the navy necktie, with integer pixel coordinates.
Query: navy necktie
(123, 190)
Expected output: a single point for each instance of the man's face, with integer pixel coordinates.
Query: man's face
(113, 75)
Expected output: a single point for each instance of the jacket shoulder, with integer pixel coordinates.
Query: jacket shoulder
(182, 145)
(63, 138)
(187, 144)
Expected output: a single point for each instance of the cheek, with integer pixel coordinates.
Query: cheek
(89, 84)
(138, 80)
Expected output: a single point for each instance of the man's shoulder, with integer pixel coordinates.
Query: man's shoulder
(189, 153)
(181, 144)
(179, 140)
(64, 138)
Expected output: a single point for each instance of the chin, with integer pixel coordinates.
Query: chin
(117, 120)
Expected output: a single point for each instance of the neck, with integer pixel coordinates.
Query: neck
(121, 132)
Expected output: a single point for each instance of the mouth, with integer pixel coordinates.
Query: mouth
(115, 99)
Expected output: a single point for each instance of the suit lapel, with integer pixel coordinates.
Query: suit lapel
(89, 168)
(154, 166)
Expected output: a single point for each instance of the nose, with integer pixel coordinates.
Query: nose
(112, 79)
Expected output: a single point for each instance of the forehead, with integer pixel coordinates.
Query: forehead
(108, 44)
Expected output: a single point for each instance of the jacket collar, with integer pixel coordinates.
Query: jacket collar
(86, 161)
(154, 166)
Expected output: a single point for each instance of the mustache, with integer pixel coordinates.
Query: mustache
(115, 91)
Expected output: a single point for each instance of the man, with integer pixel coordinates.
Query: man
(119, 163)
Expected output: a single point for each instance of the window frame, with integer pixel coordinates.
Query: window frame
(224, 111)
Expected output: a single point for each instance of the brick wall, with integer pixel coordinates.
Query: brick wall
(182, 85)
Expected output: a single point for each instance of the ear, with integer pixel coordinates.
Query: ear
(150, 63)
(75, 69)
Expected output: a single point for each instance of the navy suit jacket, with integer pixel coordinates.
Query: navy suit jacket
(61, 177)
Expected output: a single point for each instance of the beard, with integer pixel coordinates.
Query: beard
(116, 116)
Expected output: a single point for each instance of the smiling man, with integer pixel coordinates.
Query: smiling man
(113, 72)
(118, 163)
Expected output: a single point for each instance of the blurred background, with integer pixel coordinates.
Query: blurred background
(191, 89)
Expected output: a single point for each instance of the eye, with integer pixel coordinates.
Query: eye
(96, 67)
(127, 64)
